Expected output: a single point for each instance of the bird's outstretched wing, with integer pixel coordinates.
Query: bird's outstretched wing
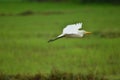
(72, 29)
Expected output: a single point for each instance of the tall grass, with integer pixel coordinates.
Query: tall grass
(23, 39)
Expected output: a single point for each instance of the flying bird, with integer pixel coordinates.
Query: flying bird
(72, 30)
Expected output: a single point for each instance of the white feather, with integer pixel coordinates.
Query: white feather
(72, 29)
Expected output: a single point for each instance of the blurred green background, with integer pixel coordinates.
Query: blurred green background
(27, 25)
(74, 1)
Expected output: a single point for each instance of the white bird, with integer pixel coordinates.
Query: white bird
(72, 31)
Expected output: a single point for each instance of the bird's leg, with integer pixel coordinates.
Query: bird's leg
(55, 38)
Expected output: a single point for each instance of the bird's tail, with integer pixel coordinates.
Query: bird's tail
(60, 36)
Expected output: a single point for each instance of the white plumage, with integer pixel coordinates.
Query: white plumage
(72, 31)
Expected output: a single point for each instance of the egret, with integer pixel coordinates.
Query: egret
(72, 30)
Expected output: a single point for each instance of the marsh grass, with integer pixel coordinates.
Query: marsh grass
(54, 75)
(24, 47)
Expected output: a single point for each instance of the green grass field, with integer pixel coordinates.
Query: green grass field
(25, 29)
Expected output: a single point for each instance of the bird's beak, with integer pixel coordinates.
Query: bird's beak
(88, 32)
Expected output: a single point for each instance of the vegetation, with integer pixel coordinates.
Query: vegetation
(74, 1)
(25, 29)
(54, 75)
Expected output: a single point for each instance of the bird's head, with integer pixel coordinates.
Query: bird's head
(83, 32)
